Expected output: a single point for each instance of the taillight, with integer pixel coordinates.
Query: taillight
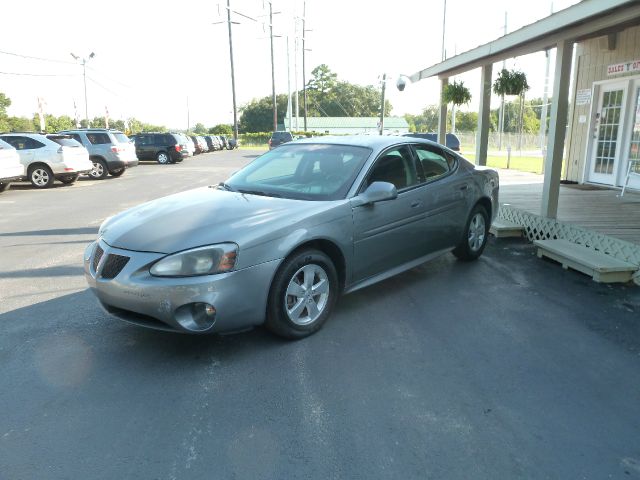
(178, 148)
(115, 149)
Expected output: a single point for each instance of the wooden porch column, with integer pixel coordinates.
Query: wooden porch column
(557, 130)
(482, 137)
(442, 118)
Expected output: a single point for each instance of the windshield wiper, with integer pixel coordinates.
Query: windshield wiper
(261, 193)
(226, 187)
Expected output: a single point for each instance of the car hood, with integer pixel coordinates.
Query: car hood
(203, 216)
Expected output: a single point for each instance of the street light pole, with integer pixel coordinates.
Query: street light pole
(84, 75)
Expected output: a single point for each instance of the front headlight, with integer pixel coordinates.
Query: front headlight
(218, 258)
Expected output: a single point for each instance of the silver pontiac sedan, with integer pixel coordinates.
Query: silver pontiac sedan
(281, 239)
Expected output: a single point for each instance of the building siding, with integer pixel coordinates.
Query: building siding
(591, 61)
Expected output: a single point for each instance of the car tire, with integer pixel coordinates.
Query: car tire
(292, 312)
(476, 233)
(163, 158)
(99, 171)
(40, 176)
(117, 172)
(5, 186)
(70, 180)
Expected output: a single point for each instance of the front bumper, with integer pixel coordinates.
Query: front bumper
(134, 295)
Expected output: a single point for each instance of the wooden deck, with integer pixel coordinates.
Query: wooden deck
(591, 207)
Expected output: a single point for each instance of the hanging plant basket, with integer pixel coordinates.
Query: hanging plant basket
(510, 82)
(456, 93)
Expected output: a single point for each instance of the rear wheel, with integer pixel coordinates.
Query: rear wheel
(40, 176)
(4, 187)
(117, 172)
(302, 294)
(475, 237)
(99, 170)
(71, 179)
(163, 158)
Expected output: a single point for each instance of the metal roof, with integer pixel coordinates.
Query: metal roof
(587, 19)
(350, 122)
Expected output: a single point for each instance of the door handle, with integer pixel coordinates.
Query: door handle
(464, 187)
(416, 204)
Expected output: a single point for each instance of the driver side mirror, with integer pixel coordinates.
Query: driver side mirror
(376, 192)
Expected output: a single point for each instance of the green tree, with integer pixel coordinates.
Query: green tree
(200, 129)
(21, 124)
(221, 129)
(427, 121)
(5, 102)
(323, 80)
(257, 115)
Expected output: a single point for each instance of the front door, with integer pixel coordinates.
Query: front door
(607, 131)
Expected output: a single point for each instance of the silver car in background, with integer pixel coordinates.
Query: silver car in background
(280, 240)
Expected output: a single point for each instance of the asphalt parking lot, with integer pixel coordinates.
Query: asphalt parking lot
(508, 367)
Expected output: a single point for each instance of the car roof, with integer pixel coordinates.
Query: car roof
(375, 142)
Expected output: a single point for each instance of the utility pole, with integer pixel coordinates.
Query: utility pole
(233, 78)
(273, 72)
(304, 76)
(288, 86)
(444, 25)
(384, 84)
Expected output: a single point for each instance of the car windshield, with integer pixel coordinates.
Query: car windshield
(302, 171)
(121, 138)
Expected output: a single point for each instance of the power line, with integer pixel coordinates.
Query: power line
(103, 87)
(36, 58)
(42, 74)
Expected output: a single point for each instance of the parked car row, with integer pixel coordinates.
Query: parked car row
(96, 152)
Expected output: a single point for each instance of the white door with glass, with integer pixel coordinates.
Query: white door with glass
(607, 131)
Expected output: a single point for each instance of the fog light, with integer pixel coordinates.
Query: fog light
(196, 317)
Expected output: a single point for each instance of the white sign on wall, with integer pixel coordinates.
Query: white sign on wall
(625, 67)
(583, 97)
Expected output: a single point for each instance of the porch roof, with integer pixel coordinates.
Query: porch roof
(587, 19)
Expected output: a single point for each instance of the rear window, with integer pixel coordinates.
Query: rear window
(121, 138)
(282, 136)
(98, 138)
(64, 141)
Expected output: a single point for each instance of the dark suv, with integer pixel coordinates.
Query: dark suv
(162, 147)
(278, 138)
(453, 142)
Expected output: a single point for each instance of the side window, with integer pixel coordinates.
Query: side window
(394, 166)
(15, 142)
(98, 138)
(77, 138)
(432, 163)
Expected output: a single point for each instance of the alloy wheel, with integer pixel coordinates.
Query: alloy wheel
(307, 294)
(477, 232)
(40, 177)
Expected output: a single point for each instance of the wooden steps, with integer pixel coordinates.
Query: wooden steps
(600, 266)
(504, 228)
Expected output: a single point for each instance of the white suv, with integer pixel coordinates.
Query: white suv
(10, 167)
(49, 157)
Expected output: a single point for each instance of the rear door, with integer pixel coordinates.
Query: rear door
(25, 146)
(445, 196)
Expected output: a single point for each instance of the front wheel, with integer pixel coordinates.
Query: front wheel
(302, 295)
(475, 237)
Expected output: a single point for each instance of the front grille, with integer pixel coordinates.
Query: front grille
(96, 257)
(113, 265)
